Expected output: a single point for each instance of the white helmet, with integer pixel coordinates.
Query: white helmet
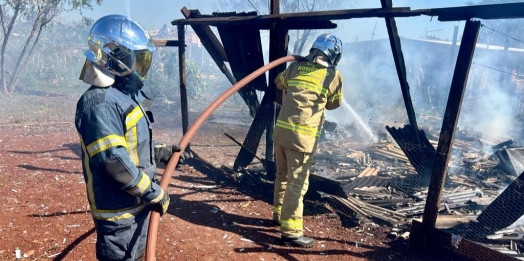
(121, 46)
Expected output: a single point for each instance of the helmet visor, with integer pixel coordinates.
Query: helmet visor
(132, 61)
(119, 59)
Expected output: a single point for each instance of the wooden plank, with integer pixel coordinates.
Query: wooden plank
(462, 13)
(254, 134)
(243, 45)
(166, 43)
(305, 25)
(400, 65)
(278, 44)
(449, 125)
(267, 20)
(183, 81)
(211, 43)
(492, 11)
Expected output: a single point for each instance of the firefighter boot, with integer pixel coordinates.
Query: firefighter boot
(302, 241)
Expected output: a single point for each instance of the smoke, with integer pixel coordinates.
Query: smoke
(372, 89)
(371, 84)
(490, 104)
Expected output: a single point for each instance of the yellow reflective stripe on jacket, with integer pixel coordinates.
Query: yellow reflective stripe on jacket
(142, 185)
(291, 224)
(131, 135)
(298, 128)
(133, 117)
(104, 214)
(310, 86)
(118, 214)
(335, 97)
(282, 80)
(89, 179)
(277, 210)
(105, 143)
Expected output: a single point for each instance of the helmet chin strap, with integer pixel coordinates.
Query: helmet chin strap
(129, 83)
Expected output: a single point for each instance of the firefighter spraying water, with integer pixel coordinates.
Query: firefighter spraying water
(310, 86)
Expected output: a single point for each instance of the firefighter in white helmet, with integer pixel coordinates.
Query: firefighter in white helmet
(310, 87)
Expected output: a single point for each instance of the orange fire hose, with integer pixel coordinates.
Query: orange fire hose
(170, 168)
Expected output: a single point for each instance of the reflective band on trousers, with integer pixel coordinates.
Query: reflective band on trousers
(277, 210)
(117, 214)
(291, 224)
(298, 128)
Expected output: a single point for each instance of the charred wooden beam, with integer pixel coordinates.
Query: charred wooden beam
(492, 11)
(166, 43)
(305, 25)
(267, 20)
(243, 44)
(256, 130)
(463, 13)
(278, 38)
(211, 43)
(265, 116)
(449, 125)
(398, 56)
(183, 81)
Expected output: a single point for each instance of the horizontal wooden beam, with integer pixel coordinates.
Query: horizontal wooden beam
(304, 25)
(264, 21)
(492, 11)
(166, 43)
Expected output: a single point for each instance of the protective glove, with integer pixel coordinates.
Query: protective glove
(162, 205)
(164, 152)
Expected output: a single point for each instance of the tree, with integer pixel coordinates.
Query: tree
(299, 38)
(36, 13)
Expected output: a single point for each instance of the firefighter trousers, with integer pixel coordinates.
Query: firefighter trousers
(291, 184)
(124, 240)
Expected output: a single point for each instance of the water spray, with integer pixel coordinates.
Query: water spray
(359, 120)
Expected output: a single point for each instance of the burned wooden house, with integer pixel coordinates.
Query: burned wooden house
(403, 175)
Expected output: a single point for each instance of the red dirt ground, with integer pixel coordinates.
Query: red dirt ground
(44, 210)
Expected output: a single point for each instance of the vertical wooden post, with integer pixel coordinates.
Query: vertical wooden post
(449, 124)
(277, 49)
(183, 80)
(396, 48)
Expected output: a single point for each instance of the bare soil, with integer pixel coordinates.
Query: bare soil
(44, 210)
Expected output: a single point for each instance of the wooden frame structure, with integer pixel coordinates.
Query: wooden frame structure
(424, 235)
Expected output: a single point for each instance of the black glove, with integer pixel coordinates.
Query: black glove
(183, 157)
(162, 205)
(164, 152)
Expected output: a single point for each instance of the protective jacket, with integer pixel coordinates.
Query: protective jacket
(117, 153)
(310, 88)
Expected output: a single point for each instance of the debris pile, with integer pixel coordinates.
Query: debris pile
(387, 181)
